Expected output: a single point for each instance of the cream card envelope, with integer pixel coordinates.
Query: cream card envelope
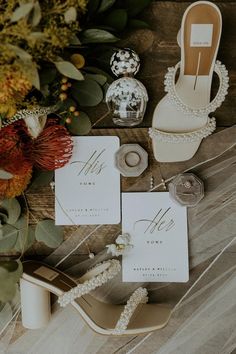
(158, 230)
(87, 189)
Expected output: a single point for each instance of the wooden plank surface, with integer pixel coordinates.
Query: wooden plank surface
(158, 50)
(212, 224)
(41, 201)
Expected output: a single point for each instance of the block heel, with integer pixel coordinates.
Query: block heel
(35, 305)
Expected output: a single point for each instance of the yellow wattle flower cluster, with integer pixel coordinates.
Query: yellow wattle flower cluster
(14, 86)
(14, 83)
(15, 186)
(7, 110)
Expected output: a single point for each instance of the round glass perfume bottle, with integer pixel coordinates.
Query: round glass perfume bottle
(126, 97)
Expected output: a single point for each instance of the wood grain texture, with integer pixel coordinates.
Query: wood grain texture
(41, 201)
(158, 50)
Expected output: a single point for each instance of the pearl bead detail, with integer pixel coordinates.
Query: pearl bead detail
(169, 82)
(91, 284)
(28, 113)
(187, 137)
(138, 297)
(151, 182)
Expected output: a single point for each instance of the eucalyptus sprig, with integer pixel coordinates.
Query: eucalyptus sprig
(33, 32)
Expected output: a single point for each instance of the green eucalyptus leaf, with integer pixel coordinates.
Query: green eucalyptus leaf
(80, 125)
(42, 179)
(103, 56)
(105, 28)
(5, 175)
(22, 11)
(9, 231)
(21, 223)
(26, 235)
(93, 6)
(30, 71)
(3, 219)
(13, 209)
(47, 75)
(44, 89)
(37, 14)
(21, 53)
(9, 266)
(5, 315)
(46, 231)
(117, 19)
(75, 40)
(93, 69)
(8, 288)
(70, 15)
(100, 79)
(87, 93)
(133, 23)
(136, 6)
(10, 273)
(9, 238)
(65, 105)
(69, 70)
(105, 88)
(95, 35)
(105, 5)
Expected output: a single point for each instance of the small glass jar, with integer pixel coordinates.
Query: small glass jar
(186, 189)
(126, 97)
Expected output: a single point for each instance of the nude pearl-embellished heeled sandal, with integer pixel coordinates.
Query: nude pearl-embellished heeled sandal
(181, 119)
(39, 280)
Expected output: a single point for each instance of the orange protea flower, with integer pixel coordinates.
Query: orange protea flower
(16, 185)
(14, 84)
(14, 141)
(19, 153)
(53, 147)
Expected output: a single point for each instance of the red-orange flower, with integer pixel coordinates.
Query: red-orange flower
(19, 152)
(13, 142)
(52, 149)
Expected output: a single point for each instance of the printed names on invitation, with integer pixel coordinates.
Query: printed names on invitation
(158, 229)
(88, 188)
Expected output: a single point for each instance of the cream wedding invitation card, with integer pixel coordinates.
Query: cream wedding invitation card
(158, 229)
(87, 189)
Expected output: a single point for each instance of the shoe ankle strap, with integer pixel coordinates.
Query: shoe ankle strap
(170, 88)
(186, 137)
(110, 272)
(138, 297)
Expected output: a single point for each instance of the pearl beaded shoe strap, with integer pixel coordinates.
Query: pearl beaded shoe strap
(187, 137)
(29, 113)
(138, 297)
(169, 82)
(91, 284)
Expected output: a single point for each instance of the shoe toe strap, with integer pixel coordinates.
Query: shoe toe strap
(186, 137)
(138, 297)
(91, 283)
